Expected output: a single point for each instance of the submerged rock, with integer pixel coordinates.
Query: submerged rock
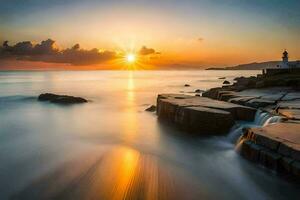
(152, 108)
(61, 99)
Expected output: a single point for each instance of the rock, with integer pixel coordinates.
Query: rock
(259, 103)
(269, 159)
(259, 84)
(192, 113)
(226, 95)
(222, 78)
(295, 168)
(292, 114)
(294, 104)
(204, 120)
(226, 82)
(198, 91)
(285, 165)
(61, 99)
(240, 100)
(275, 146)
(152, 108)
(250, 150)
(213, 93)
(291, 96)
(187, 85)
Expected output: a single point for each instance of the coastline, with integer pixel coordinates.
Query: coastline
(216, 112)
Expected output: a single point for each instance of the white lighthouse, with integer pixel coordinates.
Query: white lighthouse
(285, 60)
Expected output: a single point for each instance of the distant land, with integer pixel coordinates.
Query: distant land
(249, 66)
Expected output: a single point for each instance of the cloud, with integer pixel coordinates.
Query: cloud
(147, 51)
(46, 51)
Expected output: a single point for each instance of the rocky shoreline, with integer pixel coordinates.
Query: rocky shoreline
(275, 146)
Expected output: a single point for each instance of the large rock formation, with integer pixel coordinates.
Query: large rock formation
(61, 99)
(275, 146)
(201, 115)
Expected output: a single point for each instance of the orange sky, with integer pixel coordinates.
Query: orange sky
(188, 34)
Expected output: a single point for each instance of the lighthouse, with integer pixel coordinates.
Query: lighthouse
(285, 60)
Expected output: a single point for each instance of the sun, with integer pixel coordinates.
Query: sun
(130, 58)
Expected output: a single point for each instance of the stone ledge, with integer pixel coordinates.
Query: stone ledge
(201, 114)
(275, 146)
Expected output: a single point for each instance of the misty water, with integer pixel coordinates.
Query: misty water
(110, 148)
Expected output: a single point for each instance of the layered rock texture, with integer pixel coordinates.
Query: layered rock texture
(201, 115)
(276, 146)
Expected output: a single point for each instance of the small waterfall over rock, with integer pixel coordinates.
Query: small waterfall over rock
(262, 118)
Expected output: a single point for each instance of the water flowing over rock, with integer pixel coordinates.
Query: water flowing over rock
(262, 118)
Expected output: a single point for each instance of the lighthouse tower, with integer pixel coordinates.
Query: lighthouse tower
(285, 59)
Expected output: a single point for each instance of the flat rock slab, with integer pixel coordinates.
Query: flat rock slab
(292, 114)
(295, 104)
(201, 114)
(283, 138)
(276, 146)
(259, 103)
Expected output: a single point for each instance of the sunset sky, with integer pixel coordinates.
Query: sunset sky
(173, 33)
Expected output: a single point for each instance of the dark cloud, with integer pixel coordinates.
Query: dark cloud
(46, 51)
(147, 51)
(200, 39)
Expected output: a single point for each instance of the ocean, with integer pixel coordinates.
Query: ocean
(110, 148)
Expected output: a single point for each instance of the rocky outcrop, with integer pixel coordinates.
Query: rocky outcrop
(226, 82)
(200, 114)
(151, 108)
(275, 146)
(61, 99)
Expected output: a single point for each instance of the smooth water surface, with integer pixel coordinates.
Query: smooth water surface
(110, 148)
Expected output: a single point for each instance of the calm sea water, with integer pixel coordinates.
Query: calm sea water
(110, 148)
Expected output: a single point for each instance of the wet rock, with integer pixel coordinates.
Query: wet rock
(250, 150)
(259, 84)
(187, 85)
(240, 100)
(226, 95)
(199, 91)
(259, 103)
(61, 99)
(204, 120)
(199, 113)
(213, 93)
(285, 165)
(226, 82)
(269, 159)
(152, 108)
(275, 146)
(292, 114)
(295, 168)
(291, 96)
